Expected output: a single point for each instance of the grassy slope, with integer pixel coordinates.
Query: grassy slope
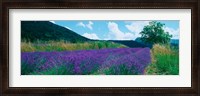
(165, 61)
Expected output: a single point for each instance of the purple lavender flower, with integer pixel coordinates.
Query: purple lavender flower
(132, 60)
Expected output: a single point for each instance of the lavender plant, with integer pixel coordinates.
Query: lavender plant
(110, 61)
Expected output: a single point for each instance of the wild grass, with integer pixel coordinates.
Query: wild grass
(66, 46)
(165, 60)
(60, 70)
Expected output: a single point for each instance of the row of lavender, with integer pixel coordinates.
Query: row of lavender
(111, 61)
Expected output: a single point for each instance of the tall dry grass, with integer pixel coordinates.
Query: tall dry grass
(66, 46)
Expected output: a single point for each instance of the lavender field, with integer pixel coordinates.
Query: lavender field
(108, 61)
(100, 47)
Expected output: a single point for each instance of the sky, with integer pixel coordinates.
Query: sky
(115, 29)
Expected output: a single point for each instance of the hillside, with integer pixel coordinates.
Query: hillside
(45, 31)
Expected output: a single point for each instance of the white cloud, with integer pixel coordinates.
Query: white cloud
(136, 27)
(91, 36)
(52, 22)
(81, 24)
(89, 25)
(116, 34)
(173, 32)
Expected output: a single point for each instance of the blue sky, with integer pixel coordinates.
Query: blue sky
(115, 29)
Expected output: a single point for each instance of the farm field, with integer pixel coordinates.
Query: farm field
(111, 61)
(51, 49)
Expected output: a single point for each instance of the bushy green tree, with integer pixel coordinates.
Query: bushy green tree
(154, 33)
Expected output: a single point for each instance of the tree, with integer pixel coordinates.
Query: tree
(154, 33)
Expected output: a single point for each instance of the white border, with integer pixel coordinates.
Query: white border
(181, 80)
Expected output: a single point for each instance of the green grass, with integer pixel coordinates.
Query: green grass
(118, 70)
(167, 64)
(26, 69)
(56, 70)
(165, 60)
(53, 71)
(66, 46)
